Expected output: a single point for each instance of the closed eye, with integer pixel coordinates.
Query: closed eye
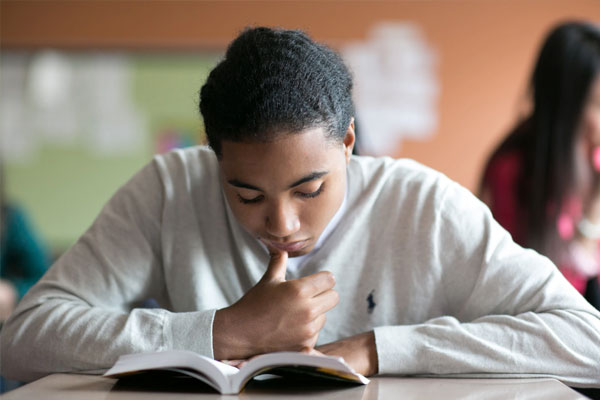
(312, 194)
(250, 201)
(259, 198)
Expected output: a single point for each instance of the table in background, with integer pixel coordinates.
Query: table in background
(89, 387)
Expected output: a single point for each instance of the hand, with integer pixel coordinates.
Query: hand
(8, 299)
(275, 315)
(358, 351)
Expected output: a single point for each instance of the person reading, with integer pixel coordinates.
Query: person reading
(277, 238)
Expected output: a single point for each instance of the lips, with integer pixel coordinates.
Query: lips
(289, 247)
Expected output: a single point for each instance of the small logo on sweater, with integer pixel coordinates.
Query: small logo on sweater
(371, 302)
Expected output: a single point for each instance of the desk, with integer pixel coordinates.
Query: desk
(89, 387)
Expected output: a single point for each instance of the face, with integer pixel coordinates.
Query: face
(285, 192)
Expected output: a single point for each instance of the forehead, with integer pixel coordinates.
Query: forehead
(288, 157)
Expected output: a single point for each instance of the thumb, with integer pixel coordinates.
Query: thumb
(311, 351)
(277, 267)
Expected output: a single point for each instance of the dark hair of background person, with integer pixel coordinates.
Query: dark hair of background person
(274, 81)
(566, 67)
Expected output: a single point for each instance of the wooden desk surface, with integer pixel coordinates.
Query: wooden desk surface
(71, 386)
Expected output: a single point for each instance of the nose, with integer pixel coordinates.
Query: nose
(282, 220)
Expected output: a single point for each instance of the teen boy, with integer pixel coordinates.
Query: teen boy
(242, 245)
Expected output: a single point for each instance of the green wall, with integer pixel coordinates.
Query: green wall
(64, 187)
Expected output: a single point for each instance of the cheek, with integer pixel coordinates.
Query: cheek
(248, 217)
(318, 212)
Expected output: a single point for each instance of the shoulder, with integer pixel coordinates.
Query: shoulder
(365, 170)
(170, 177)
(191, 160)
(187, 168)
(406, 186)
(402, 175)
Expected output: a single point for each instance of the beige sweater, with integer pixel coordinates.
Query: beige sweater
(418, 259)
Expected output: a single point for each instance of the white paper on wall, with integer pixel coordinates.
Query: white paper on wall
(115, 125)
(49, 102)
(68, 100)
(18, 143)
(396, 86)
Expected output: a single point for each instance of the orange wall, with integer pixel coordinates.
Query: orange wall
(486, 48)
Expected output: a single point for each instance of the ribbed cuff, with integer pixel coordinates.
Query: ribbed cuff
(190, 331)
(396, 352)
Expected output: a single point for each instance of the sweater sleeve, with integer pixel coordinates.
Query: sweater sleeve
(511, 312)
(84, 312)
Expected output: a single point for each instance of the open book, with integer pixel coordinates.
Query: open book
(230, 380)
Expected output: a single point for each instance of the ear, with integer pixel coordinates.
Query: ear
(349, 140)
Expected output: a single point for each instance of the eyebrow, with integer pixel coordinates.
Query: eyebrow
(307, 178)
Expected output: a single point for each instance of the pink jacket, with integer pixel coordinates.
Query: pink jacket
(501, 180)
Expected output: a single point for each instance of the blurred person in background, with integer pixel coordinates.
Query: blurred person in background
(23, 257)
(23, 261)
(542, 183)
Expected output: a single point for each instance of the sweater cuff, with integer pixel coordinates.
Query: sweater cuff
(397, 350)
(190, 331)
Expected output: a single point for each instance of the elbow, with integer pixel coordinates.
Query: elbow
(16, 362)
(10, 367)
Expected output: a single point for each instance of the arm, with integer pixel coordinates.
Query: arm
(508, 311)
(81, 316)
(511, 312)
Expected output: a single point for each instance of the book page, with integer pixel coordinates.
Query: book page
(323, 365)
(216, 373)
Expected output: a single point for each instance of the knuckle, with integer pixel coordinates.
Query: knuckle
(315, 327)
(301, 291)
(336, 297)
(308, 314)
(330, 278)
(308, 343)
(320, 323)
(295, 289)
(311, 331)
(313, 313)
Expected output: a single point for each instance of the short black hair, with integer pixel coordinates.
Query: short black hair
(274, 81)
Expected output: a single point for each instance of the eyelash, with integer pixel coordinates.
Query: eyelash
(312, 194)
(304, 195)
